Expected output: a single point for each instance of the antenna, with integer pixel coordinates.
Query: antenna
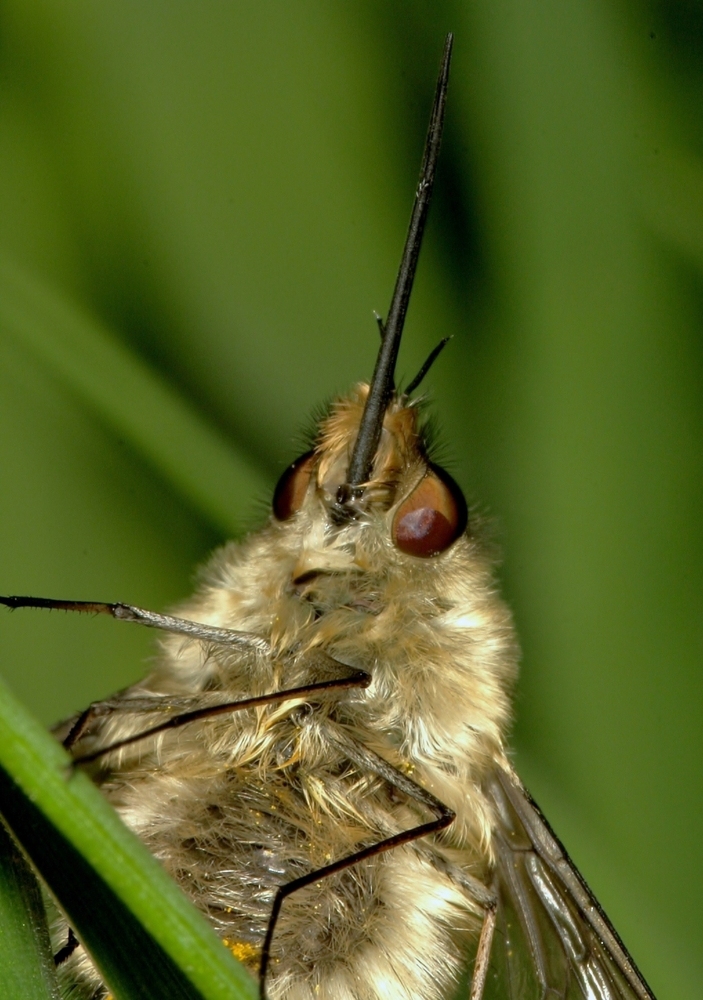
(382, 382)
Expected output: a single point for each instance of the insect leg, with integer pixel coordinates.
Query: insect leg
(358, 679)
(365, 759)
(483, 954)
(152, 619)
(486, 898)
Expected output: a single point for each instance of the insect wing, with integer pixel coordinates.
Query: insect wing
(552, 940)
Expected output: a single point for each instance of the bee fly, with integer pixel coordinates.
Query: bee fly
(330, 785)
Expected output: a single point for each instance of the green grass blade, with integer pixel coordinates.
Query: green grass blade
(105, 879)
(26, 964)
(672, 201)
(130, 398)
(131, 962)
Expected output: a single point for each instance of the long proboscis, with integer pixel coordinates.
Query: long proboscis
(382, 381)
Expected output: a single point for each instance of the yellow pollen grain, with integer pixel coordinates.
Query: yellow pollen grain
(242, 950)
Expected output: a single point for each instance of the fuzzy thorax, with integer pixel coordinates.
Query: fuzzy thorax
(237, 805)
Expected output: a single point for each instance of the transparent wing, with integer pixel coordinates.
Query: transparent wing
(552, 940)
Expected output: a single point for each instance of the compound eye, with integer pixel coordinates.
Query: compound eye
(432, 517)
(291, 488)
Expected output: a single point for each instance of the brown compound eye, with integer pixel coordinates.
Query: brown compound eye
(432, 517)
(292, 486)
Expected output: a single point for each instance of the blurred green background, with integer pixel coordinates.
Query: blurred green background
(201, 205)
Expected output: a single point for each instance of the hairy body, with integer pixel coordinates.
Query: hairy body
(237, 805)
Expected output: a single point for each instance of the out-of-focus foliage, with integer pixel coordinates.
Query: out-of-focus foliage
(217, 194)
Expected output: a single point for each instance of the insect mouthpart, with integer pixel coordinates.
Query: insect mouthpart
(382, 383)
(347, 506)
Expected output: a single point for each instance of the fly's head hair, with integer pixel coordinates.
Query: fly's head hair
(408, 508)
